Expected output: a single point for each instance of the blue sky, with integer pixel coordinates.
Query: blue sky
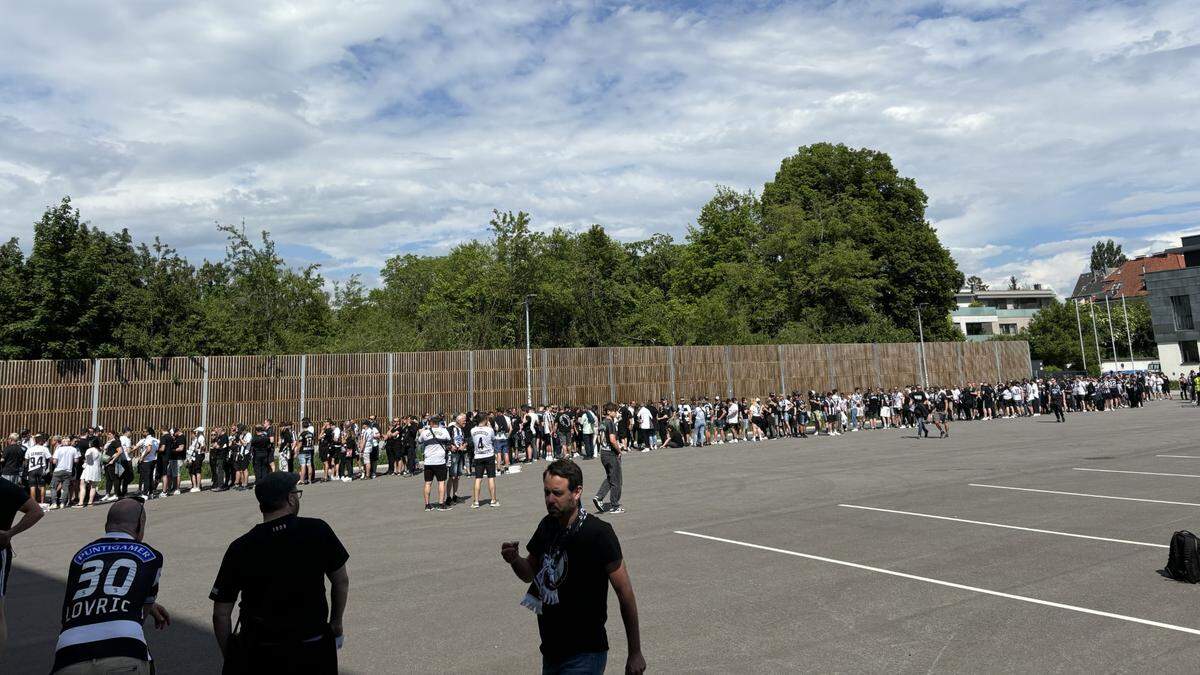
(357, 131)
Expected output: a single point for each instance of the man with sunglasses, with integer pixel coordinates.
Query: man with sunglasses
(279, 569)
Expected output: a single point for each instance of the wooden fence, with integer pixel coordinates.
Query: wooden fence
(63, 396)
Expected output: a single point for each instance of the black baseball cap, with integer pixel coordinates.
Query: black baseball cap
(275, 487)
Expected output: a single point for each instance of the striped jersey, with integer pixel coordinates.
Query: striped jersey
(110, 582)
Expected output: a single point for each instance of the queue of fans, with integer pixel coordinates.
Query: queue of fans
(100, 465)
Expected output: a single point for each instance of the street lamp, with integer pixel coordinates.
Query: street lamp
(528, 355)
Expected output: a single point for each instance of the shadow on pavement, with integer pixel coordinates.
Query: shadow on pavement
(32, 607)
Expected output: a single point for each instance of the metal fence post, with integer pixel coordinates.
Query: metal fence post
(95, 392)
(303, 369)
(782, 371)
(204, 394)
(671, 366)
(471, 380)
(996, 352)
(391, 387)
(728, 371)
(612, 384)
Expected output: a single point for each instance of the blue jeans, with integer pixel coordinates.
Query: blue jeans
(587, 663)
(699, 434)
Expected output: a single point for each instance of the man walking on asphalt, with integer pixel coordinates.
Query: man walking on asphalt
(573, 558)
(610, 459)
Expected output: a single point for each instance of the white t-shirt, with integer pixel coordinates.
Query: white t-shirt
(65, 457)
(482, 437)
(731, 415)
(645, 419)
(149, 447)
(434, 441)
(37, 457)
(367, 436)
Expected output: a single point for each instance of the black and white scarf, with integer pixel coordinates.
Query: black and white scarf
(544, 589)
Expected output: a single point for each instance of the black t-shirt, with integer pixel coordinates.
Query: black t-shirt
(14, 459)
(166, 447)
(306, 441)
(260, 445)
(279, 568)
(564, 422)
(110, 582)
(12, 498)
(576, 624)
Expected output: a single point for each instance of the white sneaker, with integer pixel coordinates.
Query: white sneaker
(176, 491)
(195, 489)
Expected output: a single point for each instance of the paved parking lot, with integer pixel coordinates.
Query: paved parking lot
(1002, 548)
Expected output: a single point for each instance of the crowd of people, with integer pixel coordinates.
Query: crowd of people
(101, 465)
(101, 629)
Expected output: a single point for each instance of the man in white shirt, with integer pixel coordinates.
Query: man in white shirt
(37, 467)
(435, 442)
(482, 436)
(645, 423)
(65, 457)
(731, 419)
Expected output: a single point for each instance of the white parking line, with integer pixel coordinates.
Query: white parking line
(1181, 456)
(1007, 527)
(1082, 494)
(948, 584)
(1141, 473)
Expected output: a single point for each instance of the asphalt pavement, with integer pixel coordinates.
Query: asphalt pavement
(873, 551)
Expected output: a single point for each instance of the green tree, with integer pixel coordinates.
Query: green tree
(862, 211)
(14, 302)
(976, 284)
(1106, 255)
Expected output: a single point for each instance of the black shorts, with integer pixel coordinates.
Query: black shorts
(241, 463)
(36, 478)
(437, 471)
(485, 465)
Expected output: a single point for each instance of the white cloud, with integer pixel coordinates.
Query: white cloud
(360, 131)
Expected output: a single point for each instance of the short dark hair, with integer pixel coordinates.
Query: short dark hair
(565, 468)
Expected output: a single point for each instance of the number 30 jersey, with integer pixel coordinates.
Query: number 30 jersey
(110, 582)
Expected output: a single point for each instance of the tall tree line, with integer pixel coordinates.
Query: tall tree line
(835, 248)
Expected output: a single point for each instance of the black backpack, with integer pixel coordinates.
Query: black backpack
(1183, 563)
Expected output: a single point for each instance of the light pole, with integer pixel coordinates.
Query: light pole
(1079, 326)
(528, 356)
(1111, 337)
(1096, 335)
(921, 337)
(1128, 334)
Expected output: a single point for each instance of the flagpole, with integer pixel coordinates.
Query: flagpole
(1128, 333)
(1111, 337)
(1079, 326)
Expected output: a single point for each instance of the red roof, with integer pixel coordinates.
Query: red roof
(1126, 280)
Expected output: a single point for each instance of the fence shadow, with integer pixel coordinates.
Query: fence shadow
(33, 605)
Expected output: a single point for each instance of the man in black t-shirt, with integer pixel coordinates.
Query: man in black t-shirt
(261, 448)
(279, 570)
(13, 460)
(112, 586)
(13, 500)
(573, 558)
